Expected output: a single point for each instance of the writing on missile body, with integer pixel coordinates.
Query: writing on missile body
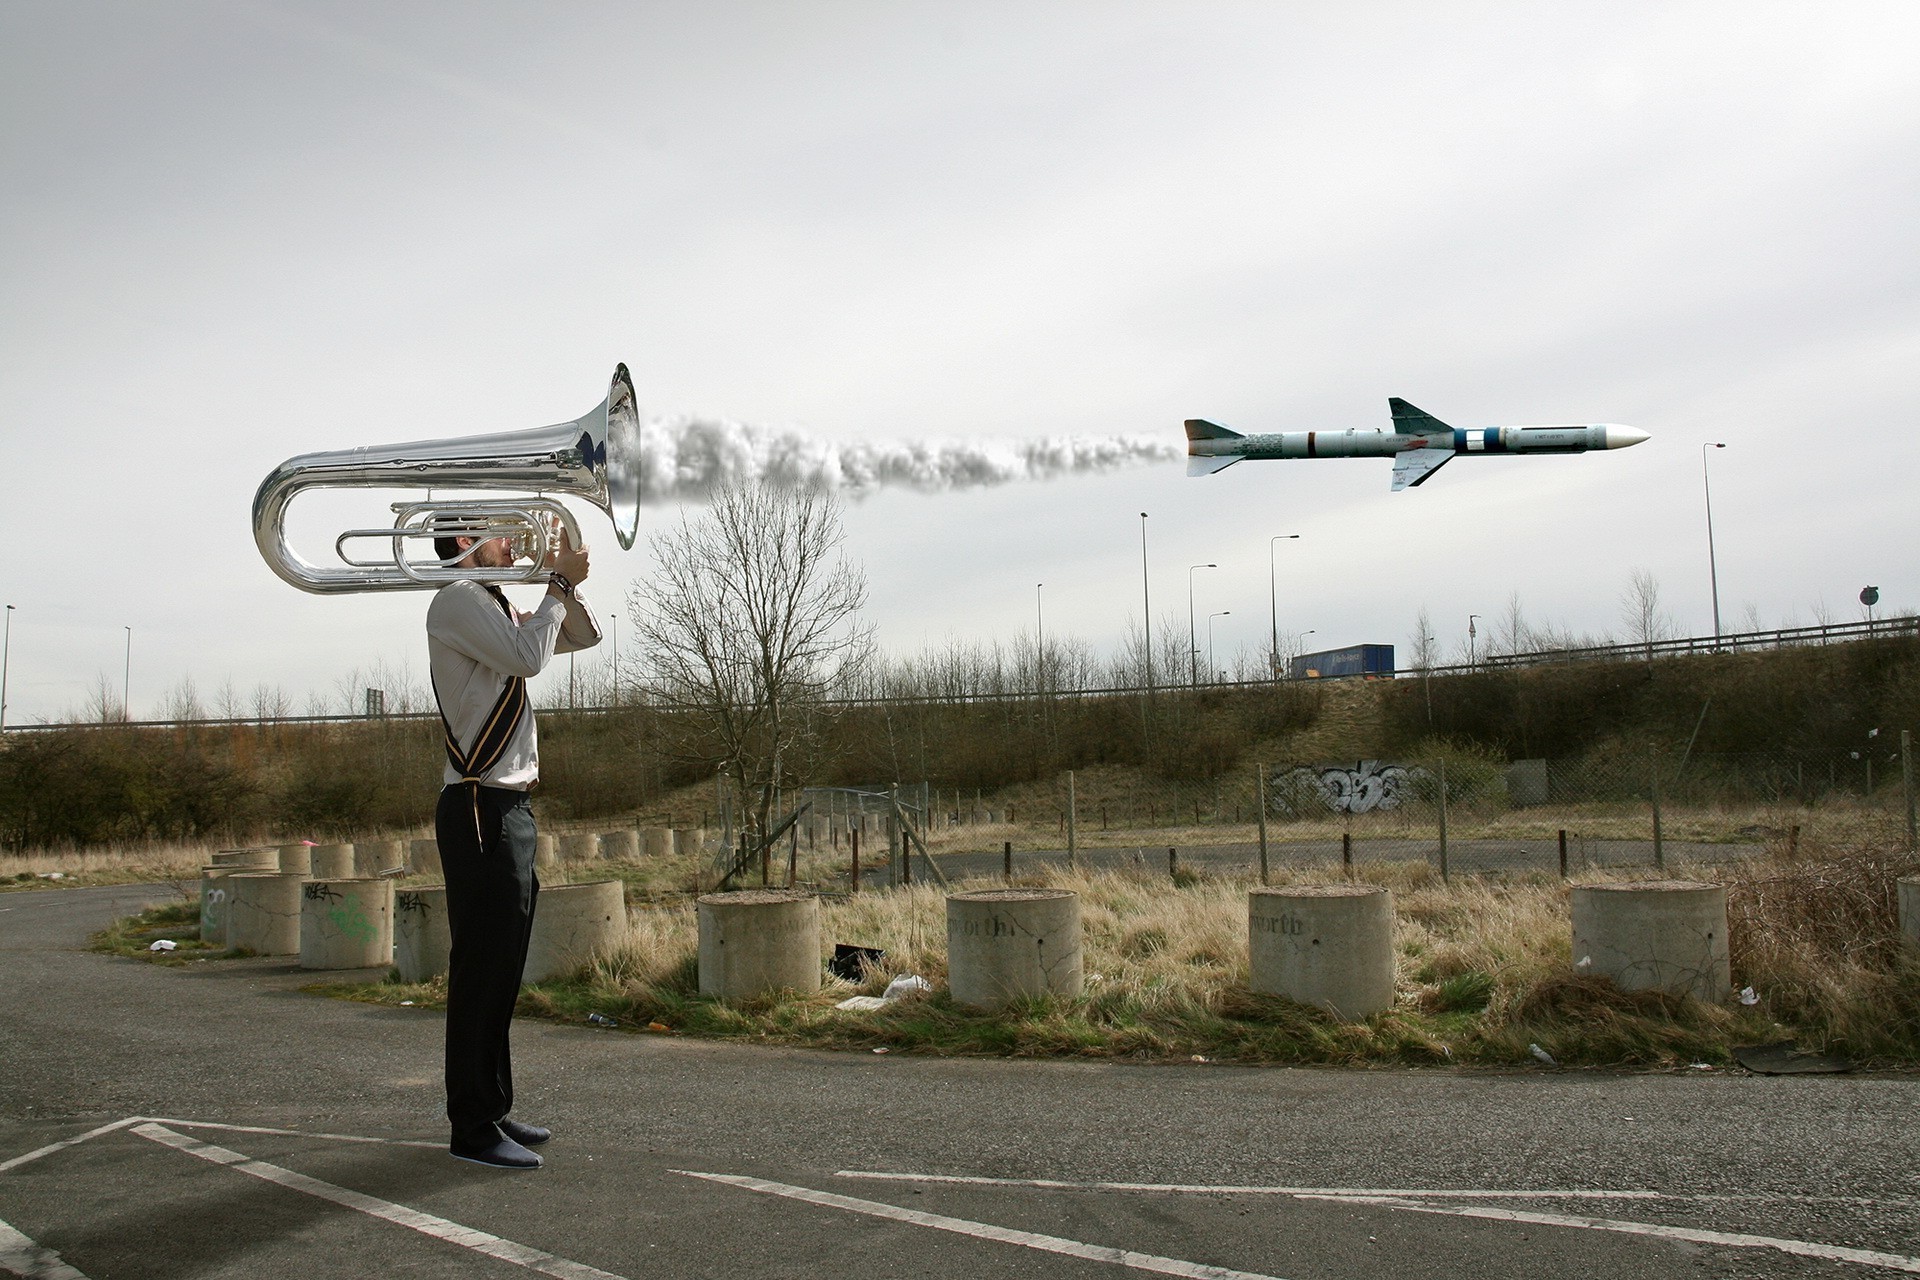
(1419, 444)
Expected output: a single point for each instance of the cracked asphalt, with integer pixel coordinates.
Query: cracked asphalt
(1818, 1166)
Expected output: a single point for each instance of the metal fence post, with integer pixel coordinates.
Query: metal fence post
(1653, 777)
(1073, 841)
(1563, 853)
(1006, 852)
(1906, 784)
(853, 836)
(1443, 821)
(1260, 798)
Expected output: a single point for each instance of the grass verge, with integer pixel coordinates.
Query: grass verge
(178, 922)
(1484, 972)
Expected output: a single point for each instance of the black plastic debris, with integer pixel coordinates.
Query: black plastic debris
(850, 963)
(1786, 1059)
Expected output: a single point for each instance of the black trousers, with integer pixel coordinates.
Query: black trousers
(486, 838)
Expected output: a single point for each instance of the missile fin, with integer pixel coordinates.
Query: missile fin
(1207, 466)
(1409, 421)
(1416, 466)
(1201, 429)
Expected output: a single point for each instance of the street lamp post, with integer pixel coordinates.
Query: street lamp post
(1146, 646)
(1193, 636)
(1713, 570)
(1273, 603)
(1473, 656)
(1146, 609)
(6, 653)
(1040, 640)
(1213, 672)
(126, 680)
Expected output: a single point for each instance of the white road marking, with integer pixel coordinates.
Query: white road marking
(986, 1230)
(62, 1145)
(425, 1223)
(1193, 1188)
(22, 1257)
(1419, 1201)
(291, 1133)
(1408, 1193)
(1799, 1248)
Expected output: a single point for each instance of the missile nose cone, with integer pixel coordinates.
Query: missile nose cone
(1619, 437)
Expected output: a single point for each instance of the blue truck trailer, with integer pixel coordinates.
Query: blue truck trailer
(1354, 660)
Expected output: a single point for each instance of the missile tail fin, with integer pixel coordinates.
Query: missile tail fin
(1409, 421)
(1416, 466)
(1201, 429)
(1207, 466)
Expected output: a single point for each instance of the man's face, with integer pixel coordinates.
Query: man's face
(491, 554)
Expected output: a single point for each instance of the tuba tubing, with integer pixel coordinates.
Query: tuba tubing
(595, 457)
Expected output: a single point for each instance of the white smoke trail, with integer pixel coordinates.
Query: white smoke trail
(688, 457)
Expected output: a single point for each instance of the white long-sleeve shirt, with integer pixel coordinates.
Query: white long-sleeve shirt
(474, 648)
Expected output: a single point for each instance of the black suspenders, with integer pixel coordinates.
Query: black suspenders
(496, 731)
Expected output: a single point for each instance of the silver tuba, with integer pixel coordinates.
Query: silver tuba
(596, 457)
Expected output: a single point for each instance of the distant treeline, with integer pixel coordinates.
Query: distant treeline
(341, 780)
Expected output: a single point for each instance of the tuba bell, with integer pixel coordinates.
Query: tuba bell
(595, 457)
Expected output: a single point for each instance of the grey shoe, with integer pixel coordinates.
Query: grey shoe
(492, 1148)
(527, 1135)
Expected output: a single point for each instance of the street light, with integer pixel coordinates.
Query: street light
(1213, 672)
(1713, 571)
(1273, 602)
(1193, 639)
(1146, 609)
(1040, 640)
(126, 681)
(1473, 657)
(6, 652)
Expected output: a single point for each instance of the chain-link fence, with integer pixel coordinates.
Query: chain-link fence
(1458, 811)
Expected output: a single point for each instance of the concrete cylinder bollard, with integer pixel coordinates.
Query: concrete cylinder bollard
(619, 846)
(655, 842)
(346, 924)
(1006, 945)
(1909, 910)
(687, 840)
(259, 859)
(377, 857)
(579, 848)
(423, 857)
(546, 851)
(422, 938)
(1330, 946)
(296, 859)
(263, 912)
(213, 904)
(756, 941)
(331, 862)
(571, 923)
(1665, 935)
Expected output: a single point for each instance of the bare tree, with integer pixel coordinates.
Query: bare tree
(1646, 621)
(182, 702)
(748, 624)
(1424, 641)
(1512, 633)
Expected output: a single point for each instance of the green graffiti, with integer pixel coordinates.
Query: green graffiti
(350, 920)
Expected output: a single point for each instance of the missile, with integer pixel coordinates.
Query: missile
(1419, 444)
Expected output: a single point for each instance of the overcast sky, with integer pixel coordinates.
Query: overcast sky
(234, 232)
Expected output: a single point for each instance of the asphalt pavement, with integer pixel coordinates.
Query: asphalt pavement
(213, 1120)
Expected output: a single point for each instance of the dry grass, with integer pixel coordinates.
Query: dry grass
(1484, 971)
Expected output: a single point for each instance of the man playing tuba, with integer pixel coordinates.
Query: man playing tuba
(481, 653)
